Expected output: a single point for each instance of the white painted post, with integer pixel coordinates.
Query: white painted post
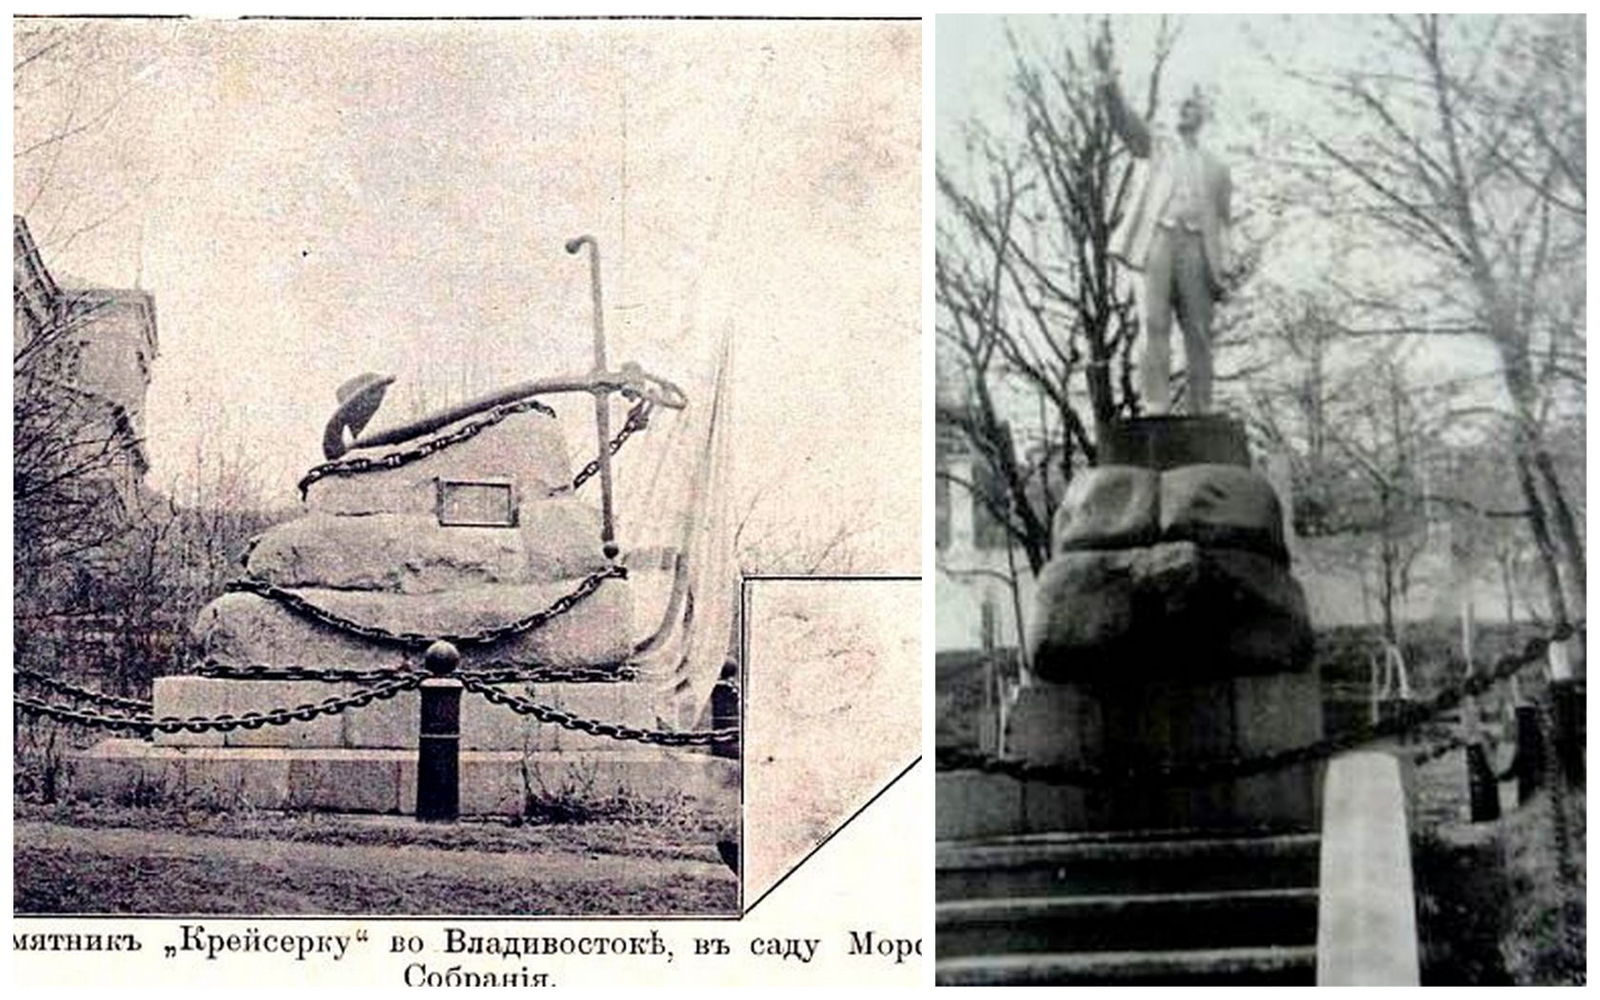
(1366, 911)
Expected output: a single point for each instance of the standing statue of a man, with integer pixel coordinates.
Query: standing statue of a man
(1178, 234)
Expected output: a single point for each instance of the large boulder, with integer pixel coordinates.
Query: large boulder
(240, 629)
(1174, 609)
(1110, 506)
(525, 448)
(415, 554)
(1216, 505)
(1221, 506)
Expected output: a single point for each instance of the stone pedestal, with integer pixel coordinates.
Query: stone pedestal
(1167, 630)
(397, 549)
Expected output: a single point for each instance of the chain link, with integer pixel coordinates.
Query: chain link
(295, 672)
(395, 459)
(226, 722)
(490, 672)
(638, 420)
(73, 691)
(1189, 773)
(595, 727)
(418, 640)
(504, 672)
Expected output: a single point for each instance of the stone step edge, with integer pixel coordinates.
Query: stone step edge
(1146, 835)
(966, 855)
(1047, 967)
(961, 912)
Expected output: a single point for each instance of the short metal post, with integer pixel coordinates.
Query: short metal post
(1483, 788)
(439, 737)
(1567, 716)
(1529, 762)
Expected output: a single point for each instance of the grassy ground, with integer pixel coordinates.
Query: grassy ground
(1495, 906)
(104, 859)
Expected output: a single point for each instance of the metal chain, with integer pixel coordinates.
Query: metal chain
(295, 672)
(638, 420)
(490, 672)
(224, 723)
(73, 691)
(35, 707)
(395, 459)
(594, 727)
(1188, 773)
(504, 672)
(418, 640)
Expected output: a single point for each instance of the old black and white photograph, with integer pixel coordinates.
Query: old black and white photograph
(400, 407)
(1260, 499)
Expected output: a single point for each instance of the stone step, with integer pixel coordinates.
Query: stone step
(1224, 919)
(1066, 864)
(1295, 966)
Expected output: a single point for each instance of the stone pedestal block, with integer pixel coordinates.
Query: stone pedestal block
(385, 781)
(970, 805)
(1168, 610)
(1166, 722)
(393, 722)
(1171, 441)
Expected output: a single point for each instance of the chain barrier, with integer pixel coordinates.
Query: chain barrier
(418, 640)
(1188, 773)
(638, 420)
(225, 723)
(395, 459)
(81, 693)
(595, 727)
(490, 672)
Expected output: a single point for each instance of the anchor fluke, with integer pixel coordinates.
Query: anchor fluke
(359, 399)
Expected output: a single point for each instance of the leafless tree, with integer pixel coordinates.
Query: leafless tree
(1036, 318)
(1464, 149)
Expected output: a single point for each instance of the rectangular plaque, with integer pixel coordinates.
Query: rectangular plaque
(483, 503)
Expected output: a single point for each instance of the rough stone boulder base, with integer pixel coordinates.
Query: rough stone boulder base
(1221, 506)
(1170, 610)
(1111, 506)
(241, 629)
(526, 448)
(414, 554)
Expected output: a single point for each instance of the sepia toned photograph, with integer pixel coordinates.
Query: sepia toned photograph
(399, 407)
(1260, 499)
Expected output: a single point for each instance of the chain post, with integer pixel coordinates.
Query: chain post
(1569, 727)
(439, 737)
(1530, 753)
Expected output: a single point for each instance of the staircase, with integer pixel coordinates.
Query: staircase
(1137, 908)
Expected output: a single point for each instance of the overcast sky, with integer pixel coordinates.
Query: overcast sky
(307, 201)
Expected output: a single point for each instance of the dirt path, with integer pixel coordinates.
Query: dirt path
(68, 869)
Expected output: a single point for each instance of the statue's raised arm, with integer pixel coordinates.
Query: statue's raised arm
(1124, 120)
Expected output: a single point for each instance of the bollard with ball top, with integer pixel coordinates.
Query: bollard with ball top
(439, 742)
